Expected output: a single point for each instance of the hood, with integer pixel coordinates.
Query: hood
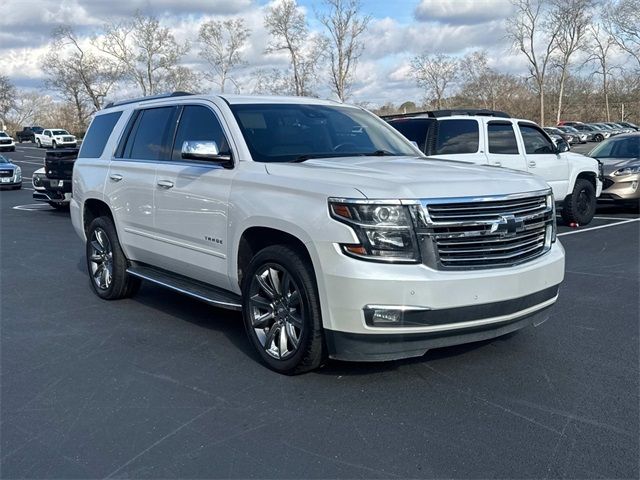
(610, 165)
(408, 177)
(7, 166)
(581, 160)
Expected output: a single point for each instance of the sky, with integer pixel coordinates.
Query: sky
(398, 31)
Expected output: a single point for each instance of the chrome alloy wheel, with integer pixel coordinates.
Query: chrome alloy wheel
(276, 311)
(101, 259)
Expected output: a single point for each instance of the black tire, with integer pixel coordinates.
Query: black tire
(580, 205)
(59, 206)
(38, 144)
(598, 138)
(121, 285)
(309, 353)
(54, 145)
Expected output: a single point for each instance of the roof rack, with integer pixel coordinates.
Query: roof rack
(142, 99)
(448, 113)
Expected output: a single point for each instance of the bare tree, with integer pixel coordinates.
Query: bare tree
(536, 37)
(601, 47)
(345, 26)
(147, 52)
(572, 18)
(434, 73)
(623, 23)
(222, 43)
(68, 84)
(271, 81)
(290, 33)
(68, 61)
(7, 98)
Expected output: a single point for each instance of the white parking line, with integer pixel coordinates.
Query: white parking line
(27, 161)
(599, 227)
(30, 148)
(31, 156)
(607, 218)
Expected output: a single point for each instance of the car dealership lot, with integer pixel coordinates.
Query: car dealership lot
(164, 386)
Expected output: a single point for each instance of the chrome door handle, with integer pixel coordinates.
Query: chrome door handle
(496, 164)
(165, 184)
(532, 163)
(116, 177)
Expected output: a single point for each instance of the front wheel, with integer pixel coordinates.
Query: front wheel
(580, 206)
(107, 263)
(281, 310)
(598, 138)
(54, 145)
(38, 144)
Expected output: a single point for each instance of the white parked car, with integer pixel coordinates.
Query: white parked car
(330, 232)
(55, 138)
(493, 138)
(7, 143)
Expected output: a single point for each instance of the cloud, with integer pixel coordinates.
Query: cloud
(462, 12)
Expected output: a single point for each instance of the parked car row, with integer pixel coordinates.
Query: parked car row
(488, 137)
(597, 131)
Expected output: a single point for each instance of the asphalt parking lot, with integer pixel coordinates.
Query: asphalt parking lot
(163, 386)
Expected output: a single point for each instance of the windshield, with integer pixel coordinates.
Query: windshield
(570, 129)
(2, 134)
(618, 148)
(59, 132)
(3, 159)
(297, 132)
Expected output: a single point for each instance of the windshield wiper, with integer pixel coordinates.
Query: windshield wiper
(376, 153)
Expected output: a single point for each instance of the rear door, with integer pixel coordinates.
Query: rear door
(542, 159)
(457, 139)
(130, 184)
(192, 200)
(502, 146)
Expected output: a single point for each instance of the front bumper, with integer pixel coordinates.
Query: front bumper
(623, 187)
(12, 181)
(458, 306)
(10, 147)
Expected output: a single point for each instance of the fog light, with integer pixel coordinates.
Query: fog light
(634, 185)
(387, 316)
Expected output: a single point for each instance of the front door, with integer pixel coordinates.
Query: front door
(542, 159)
(192, 202)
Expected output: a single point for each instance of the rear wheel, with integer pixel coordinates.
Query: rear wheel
(107, 263)
(281, 310)
(580, 206)
(598, 138)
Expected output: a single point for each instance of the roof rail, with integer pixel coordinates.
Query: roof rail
(142, 99)
(448, 113)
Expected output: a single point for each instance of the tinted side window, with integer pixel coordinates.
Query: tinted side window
(502, 138)
(457, 136)
(98, 134)
(535, 142)
(199, 123)
(414, 130)
(151, 136)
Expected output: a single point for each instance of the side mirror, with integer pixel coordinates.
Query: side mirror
(562, 146)
(205, 150)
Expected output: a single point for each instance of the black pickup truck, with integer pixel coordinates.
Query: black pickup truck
(27, 134)
(54, 185)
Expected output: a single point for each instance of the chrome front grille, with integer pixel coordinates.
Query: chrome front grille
(486, 232)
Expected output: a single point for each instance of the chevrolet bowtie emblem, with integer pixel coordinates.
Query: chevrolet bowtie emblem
(507, 226)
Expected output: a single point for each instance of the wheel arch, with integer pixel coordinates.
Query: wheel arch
(92, 209)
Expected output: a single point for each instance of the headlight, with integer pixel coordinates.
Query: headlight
(37, 179)
(551, 236)
(385, 231)
(627, 170)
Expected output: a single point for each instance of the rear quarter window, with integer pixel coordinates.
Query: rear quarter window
(457, 136)
(99, 132)
(414, 130)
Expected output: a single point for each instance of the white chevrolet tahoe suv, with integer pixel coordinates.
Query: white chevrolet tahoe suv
(329, 230)
(55, 138)
(489, 137)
